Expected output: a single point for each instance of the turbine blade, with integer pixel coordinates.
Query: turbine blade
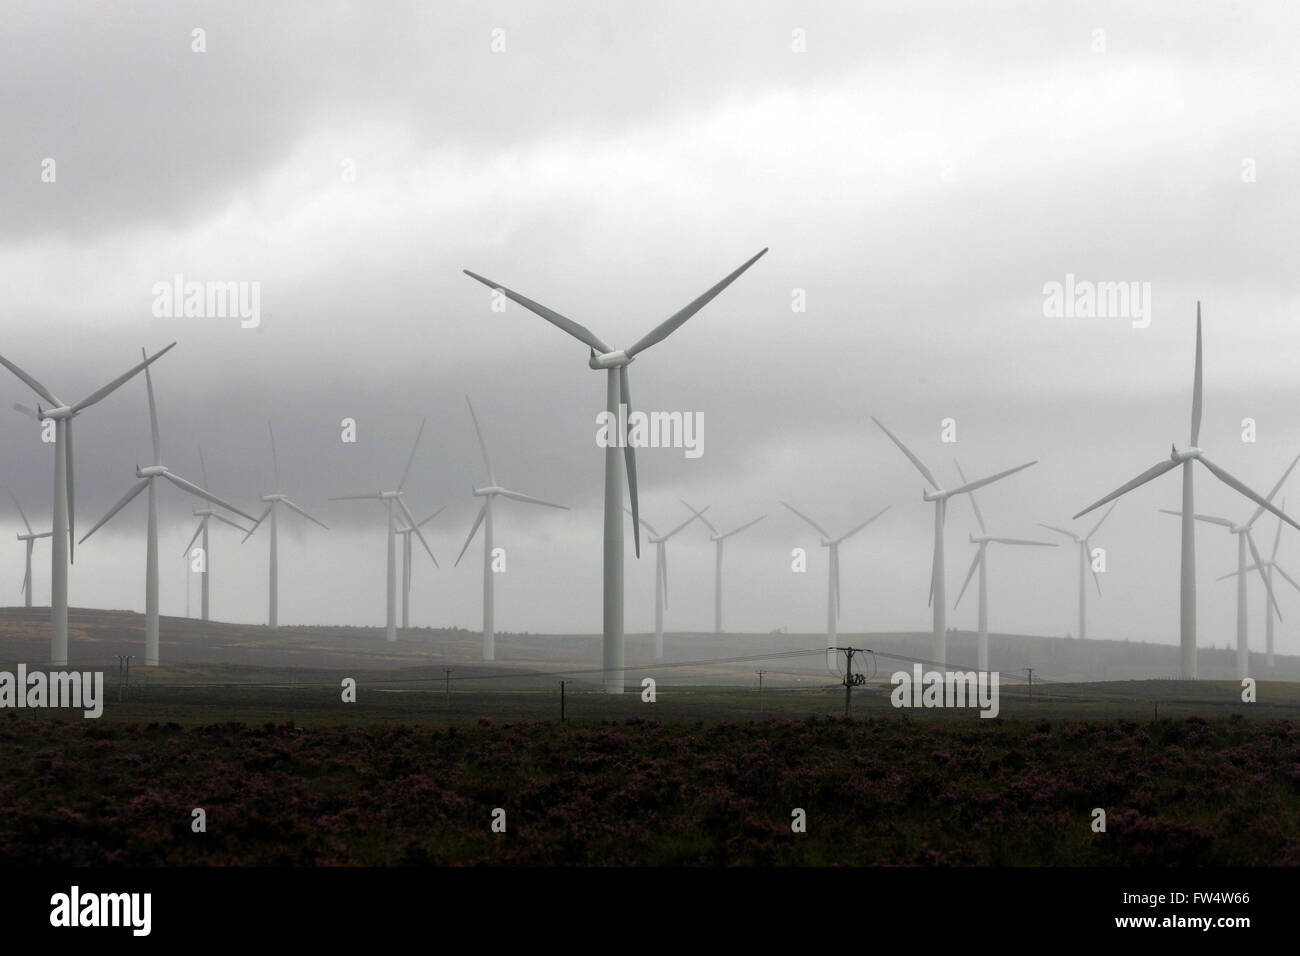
(31, 383)
(153, 412)
(1068, 534)
(973, 503)
(1290, 580)
(112, 386)
(275, 457)
(197, 531)
(629, 461)
(700, 514)
(138, 487)
(646, 524)
(27, 578)
(432, 516)
(1154, 471)
(406, 472)
(1276, 488)
(1026, 541)
(824, 533)
(415, 527)
(1277, 537)
(72, 494)
(747, 524)
(579, 332)
(1259, 566)
(293, 507)
(912, 458)
(20, 512)
(487, 462)
(233, 524)
(26, 410)
(203, 468)
(1233, 574)
(674, 322)
(470, 537)
(258, 522)
(1237, 486)
(972, 485)
(378, 495)
(194, 489)
(1097, 526)
(529, 499)
(1208, 519)
(979, 552)
(835, 570)
(680, 526)
(1196, 383)
(848, 534)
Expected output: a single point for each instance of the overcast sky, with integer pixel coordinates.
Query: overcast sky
(920, 171)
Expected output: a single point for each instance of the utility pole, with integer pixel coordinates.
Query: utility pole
(123, 674)
(760, 689)
(851, 679)
(1030, 671)
(561, 701)
(446, 687)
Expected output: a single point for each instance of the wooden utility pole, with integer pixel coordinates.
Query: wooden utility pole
(850, 679)
(561, 701)
(1030, 671)
(446, 687)
(760, 689)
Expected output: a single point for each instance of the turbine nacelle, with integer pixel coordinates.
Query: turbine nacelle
(54, 414)
(271, 498)
(928, 495)
(980, 539)
(150, 471)
(607, 360)
(487, 491)
(388, 495)
(1183, 454)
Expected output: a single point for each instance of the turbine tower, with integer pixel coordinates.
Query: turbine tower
(1245, 539)
(204, 515)
(614, 363)
(940, 498)
(391, 498)
(489, 494)
(981, 562)
(404, 532)
(833, 587)
(719, 539)
(1085, 565)
(30, 537)
(148, 479)
(1270, 605)
(1185, 458)
(61, 554)
(660, 541)
(273, 501)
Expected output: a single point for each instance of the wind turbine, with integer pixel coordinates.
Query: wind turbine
(833, 587)
(30, 537)
(1085, 565)
(719, 539)
(940, 498)
(614, 363)
(1270, 605)
(1245, 539)
(204, 515)
(148, 478)
(405, 533)
(61, 555)
(660, 541)
(489, 494)
(981, 562)
(391, 498)
(273, 500)
(1184, 458)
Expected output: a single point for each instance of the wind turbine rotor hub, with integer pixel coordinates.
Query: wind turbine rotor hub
(63, 411)
(389, 495)
(608, 360)
(488, 492)
(1185, 454)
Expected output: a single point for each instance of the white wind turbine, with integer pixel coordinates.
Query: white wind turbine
(660, 541)
(719, 539)
(30, 537)
(389, 499)
(147, 479)
(1270, 605)
(404, 532)
(614, 363)
(981, 562)
(204, 515)
(1245, 539)
(833, 587)
(273, 501)
(489, 494)
(61, 555)
(940, 498)
(1085, 565)
(1184, 458)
